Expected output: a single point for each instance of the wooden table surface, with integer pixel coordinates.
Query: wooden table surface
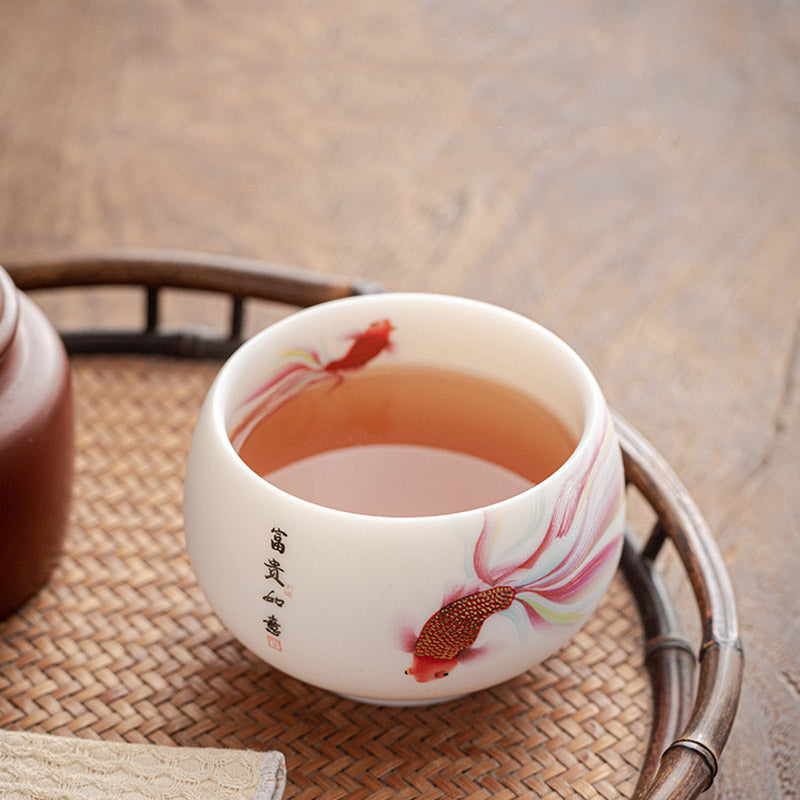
(626, 173)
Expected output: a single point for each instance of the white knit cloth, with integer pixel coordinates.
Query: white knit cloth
(40, 767)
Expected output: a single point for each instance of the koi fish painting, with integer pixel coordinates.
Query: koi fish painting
(524, 575)
(304, 368)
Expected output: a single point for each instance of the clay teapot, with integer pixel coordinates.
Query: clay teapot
(36, 447)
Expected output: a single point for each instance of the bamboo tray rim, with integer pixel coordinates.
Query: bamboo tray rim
(695, 696)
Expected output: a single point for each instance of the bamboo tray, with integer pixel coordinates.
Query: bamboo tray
(121, 645)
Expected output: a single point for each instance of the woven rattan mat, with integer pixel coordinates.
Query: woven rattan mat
(121, 645)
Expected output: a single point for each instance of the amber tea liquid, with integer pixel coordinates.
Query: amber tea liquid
(407, 441)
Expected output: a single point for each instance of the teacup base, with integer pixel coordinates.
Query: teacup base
(373, 701)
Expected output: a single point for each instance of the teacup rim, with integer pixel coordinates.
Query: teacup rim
(595, 408)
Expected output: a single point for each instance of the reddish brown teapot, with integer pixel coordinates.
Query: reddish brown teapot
(36, 446)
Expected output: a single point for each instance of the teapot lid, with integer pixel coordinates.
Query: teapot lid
(9, 312)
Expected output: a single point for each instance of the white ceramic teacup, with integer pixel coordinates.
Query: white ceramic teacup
(403, 609)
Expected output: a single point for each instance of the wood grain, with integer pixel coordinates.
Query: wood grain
(626, 173)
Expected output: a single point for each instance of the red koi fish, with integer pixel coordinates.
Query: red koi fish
(551, 597)
(452, 630)
(305, 368)
(446, 639)
(366, 346)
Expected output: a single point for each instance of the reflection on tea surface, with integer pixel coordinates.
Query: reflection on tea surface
(407, 441)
